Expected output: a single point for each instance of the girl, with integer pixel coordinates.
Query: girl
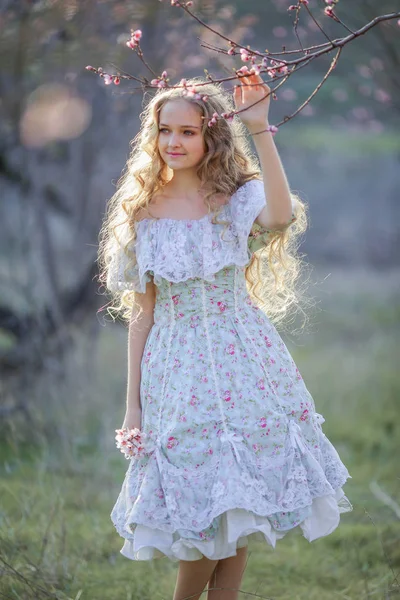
(236, 448)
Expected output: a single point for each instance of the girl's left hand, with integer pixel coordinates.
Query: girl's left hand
(251, 90)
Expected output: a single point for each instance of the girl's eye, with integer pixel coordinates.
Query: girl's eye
(163, 129)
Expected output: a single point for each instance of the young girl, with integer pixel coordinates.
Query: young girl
(236, 448)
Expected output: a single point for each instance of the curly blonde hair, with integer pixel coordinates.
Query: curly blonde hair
(228, 163)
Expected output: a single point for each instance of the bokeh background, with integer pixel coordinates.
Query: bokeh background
(64, 139)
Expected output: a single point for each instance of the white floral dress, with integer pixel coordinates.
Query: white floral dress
(236, 448)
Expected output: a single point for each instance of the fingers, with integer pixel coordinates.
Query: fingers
(237, 94)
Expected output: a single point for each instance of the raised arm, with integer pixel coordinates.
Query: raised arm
(278, 211)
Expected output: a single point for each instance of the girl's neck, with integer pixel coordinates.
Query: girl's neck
(184, 183)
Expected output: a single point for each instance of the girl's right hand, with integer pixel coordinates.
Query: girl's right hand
(133, 418)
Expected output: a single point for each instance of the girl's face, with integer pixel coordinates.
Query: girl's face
(180, 140)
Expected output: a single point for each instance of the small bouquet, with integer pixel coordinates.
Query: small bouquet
(130, 442)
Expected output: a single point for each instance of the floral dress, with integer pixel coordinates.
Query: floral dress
(236, 449)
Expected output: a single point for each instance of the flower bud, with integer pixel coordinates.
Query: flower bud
(272, 128)
(117, 80)
(137, 35)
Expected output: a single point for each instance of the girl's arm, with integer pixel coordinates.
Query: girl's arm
(137, 336)
(251, 98)
(278, 211)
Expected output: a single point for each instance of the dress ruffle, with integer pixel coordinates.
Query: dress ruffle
(178, 250)
(303, 491)
(236, 528)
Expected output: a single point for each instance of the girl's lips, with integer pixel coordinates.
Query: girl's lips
(175, 154)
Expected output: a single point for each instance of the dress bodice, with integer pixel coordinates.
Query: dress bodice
(177, 250)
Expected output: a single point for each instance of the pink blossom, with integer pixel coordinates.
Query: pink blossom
(272, 128)
(107, 79)
(117, 80)
(243, 70)
(244, 55)
(137, 35)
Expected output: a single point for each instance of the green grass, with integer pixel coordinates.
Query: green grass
(57, 540)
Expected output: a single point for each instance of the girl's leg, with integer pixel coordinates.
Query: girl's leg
(228, 574)
(192, 578)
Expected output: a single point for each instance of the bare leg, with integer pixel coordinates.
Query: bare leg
(228, 574)
(192, 578)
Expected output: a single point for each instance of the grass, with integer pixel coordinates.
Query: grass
(57, 540)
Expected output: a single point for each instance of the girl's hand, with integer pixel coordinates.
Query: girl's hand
(133, 418)
(251, 90)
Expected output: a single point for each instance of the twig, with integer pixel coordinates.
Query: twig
(385, 498)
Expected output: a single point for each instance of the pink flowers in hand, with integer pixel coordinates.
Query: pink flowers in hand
(130, 442)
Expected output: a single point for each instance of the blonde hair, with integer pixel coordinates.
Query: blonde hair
(228, 163)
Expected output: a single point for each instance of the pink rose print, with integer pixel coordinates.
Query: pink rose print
(268, 341)
(222, 306)
(194, 401)
(172, 442)
(230, 349)
(227, 396)
(263, 422)
(176, 298)
(304, 415)
(260, 384)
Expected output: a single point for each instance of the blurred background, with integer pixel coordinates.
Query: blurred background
(64, 139)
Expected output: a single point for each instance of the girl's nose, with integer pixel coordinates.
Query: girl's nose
(174, 140)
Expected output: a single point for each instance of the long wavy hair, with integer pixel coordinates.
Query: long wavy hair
(274, 270)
